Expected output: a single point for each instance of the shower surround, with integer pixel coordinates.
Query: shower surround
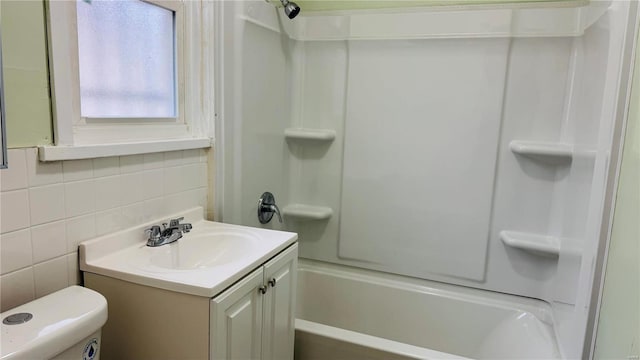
(468, 145)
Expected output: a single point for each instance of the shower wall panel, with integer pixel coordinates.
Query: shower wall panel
(263, 150)
(411, 116)
(256, 85)
(419, 179)
(421, 137)
(535, 106)
(316, 168)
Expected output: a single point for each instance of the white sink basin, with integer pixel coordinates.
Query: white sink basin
(217, 247)
(203, 262)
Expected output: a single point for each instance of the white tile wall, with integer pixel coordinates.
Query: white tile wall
(106, 166)
(17, 178)
(14, 210)
(17, 288)
(80, 197)
(107, 190)
(50, 276)
(79, 229)
(153, 183)
(49, 241)
(16, 250)
(46, 203)
(40, 173)
(132, 190)
(77, 170)
(46, 209)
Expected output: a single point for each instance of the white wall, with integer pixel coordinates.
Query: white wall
(48, 208)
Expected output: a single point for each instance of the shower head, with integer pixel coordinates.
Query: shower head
(290, 8)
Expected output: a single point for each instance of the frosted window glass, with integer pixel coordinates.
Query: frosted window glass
(126, 57)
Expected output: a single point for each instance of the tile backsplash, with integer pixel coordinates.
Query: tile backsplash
(46, 209)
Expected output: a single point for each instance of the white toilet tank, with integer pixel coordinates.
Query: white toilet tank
(62, 325)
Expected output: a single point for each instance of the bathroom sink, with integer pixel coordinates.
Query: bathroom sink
(205, 261)
(202, 251)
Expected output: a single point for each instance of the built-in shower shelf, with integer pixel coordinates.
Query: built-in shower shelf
(307, 212)
(553, 153)
(537, 244)
(309, 134)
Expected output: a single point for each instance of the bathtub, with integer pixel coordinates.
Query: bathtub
(350, 313)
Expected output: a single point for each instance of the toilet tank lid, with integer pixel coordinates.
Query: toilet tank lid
(60, 320)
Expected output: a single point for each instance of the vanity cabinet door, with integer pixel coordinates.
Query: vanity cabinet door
(236, 320)
(278, 328)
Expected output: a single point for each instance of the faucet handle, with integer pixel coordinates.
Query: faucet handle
(274, 208)
(175, 222)
(267, 207)
(154, 232)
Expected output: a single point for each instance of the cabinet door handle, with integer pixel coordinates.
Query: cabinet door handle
(272, 282)
(262, 289)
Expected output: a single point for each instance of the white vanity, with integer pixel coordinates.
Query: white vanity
(221, 291)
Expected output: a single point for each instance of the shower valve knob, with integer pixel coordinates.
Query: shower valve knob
(267, 207)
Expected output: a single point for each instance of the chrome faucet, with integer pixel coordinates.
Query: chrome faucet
(167, 234)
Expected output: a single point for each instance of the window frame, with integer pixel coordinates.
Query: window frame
(192, 126)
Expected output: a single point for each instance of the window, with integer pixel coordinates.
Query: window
(129, 72)
(126, 53)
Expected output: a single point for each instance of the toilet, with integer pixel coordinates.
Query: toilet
(62, 325)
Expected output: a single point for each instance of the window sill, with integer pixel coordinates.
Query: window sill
(75, 152)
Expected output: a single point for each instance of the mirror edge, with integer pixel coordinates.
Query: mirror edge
(3, 133)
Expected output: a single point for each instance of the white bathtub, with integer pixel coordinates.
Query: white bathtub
(348, 313)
